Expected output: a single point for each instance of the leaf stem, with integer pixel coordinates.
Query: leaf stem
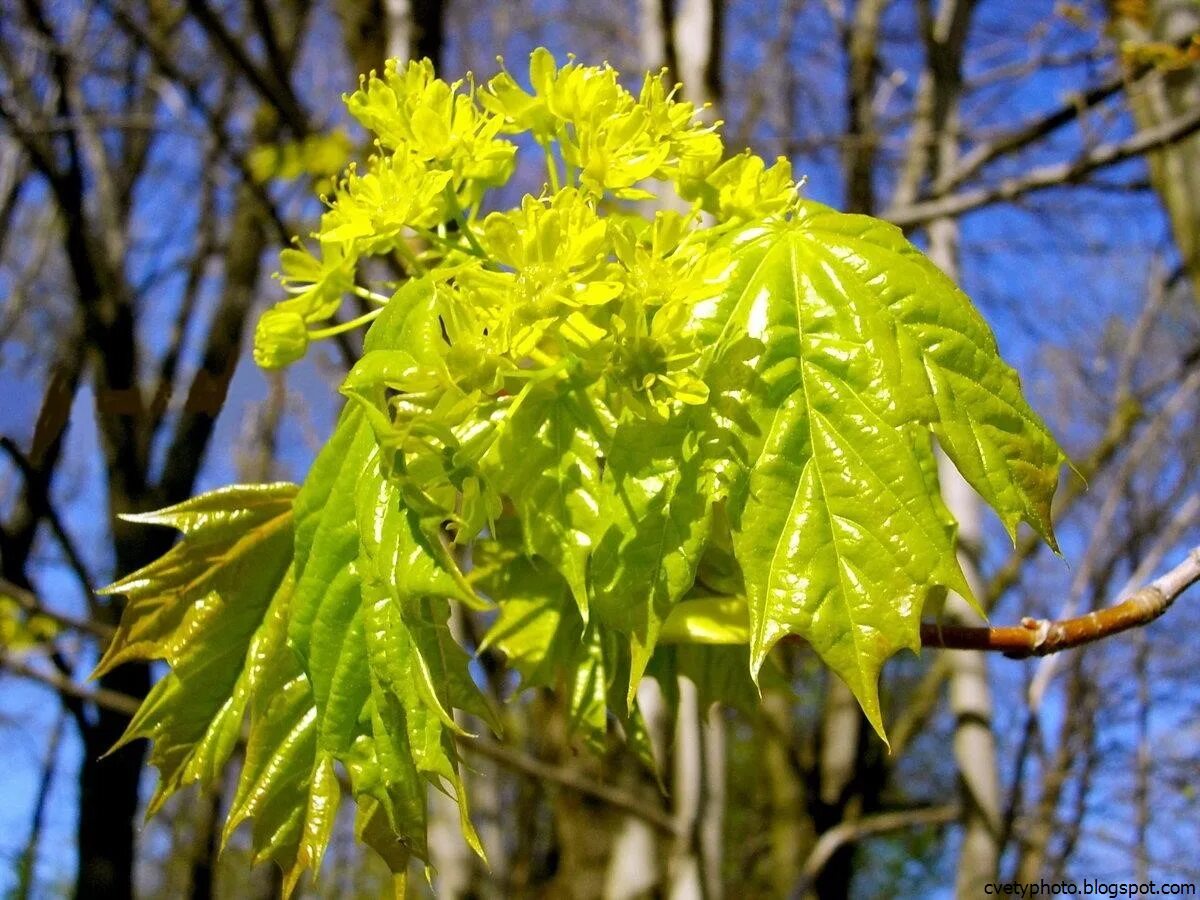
(551, 165)
(463, 225)
(371, 296)
(333, 330)
(410, 258)
(442, 241)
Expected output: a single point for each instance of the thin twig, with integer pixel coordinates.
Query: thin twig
(1166, 539)
(39, 490)
(68, 687)
(536, 768)
(271, 85)
(1048, 176)
(849, 832)
(31, 603)
(1039, 637)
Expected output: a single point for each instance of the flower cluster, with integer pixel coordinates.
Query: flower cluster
(575, 286)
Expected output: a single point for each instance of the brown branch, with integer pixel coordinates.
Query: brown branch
(1076, 105)
(270, 84)
(32, 604)
(114, 701)
(1036, 129)
(1048, 176)
(536, 768)
(852, 831)
(38, 491)
(165, 60)
(919, 705)
(1040, 637)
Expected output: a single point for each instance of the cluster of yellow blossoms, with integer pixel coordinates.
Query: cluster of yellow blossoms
(576, 278)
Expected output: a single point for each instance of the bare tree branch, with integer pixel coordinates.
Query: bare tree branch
(38, 490)
(69, 688)
(270, 83)
(850, 832)
(31, 603)
(165, 60)
(536, 768)
(1034, 130)
(1048, 176)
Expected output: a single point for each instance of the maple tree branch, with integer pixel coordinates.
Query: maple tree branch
(164, 58)
(1076, 104)
(38, 486)
(271, 84)
(1040, 637)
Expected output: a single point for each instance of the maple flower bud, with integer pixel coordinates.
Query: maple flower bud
(280, 339)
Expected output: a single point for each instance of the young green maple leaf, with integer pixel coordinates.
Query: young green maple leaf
(857, 338)
(539, 630)
(199, 607)
(656, 505)
(288, 787)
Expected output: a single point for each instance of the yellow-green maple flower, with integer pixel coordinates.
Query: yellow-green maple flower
(558, 249)
(519, 110)
(578, 94)
(551, 237)
(617, 154)
(317, 283)
(383, 105)
(655, 358)
(280, 338)
(696, 145)
(669, 262)
(413, 112)
(371, 211)
(601, 129)
(747, 189)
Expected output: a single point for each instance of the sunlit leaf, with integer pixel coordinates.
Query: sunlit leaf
(980, 416)
(287, 786)
(656, 506)
(838, 533)
(548, 461)
(199, 608)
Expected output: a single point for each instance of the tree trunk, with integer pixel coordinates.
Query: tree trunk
(970, 692)
(684, 874)
(789, 831)
(712, 813)
(108, 796)
(971, 705)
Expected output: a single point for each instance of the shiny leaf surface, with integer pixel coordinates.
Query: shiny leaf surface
(837, 530)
